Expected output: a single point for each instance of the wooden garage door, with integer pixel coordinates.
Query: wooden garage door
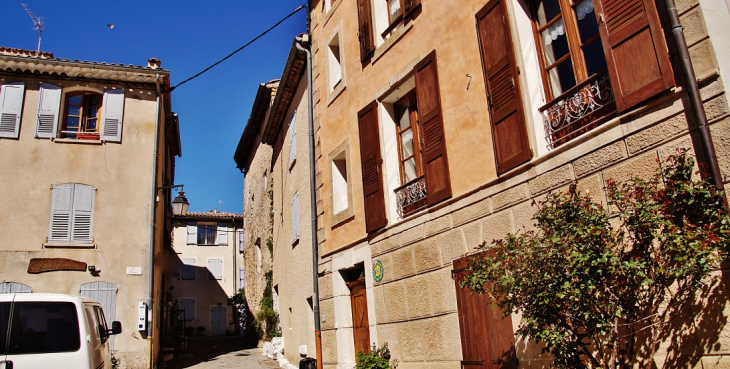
(487, 339)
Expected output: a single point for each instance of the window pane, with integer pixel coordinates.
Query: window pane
(587, 25)
(93, 112)
(44, 327)
(547, 10)
(4, 319)
(595, 58)
(409, 170)
(72, 124)
(555, 42)
(403, 115)
(406, 143)
(394, 9)
(94, 100)
(75, 100)
(91, 125)
(562, 77)
(73, 110)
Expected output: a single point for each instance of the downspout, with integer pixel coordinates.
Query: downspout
(153, 202)
(693, 93)
(313, 208)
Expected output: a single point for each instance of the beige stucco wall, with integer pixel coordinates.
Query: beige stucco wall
(123, 177)
(207, 293)
(293, 260)
(413, 308)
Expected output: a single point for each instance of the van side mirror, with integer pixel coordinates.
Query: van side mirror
(116, 328)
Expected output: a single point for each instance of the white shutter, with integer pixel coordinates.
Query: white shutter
(188, 268)
(240, 241)
(241, 278)
(112, 113)
(295, 217)
(59, 229)
(83, 214)
(192, 233)
(49, 104)
(11, 107)
(293, 138)
(215, 266)
(222, 235)
(14, 287)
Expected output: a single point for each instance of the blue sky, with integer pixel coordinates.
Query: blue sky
(187, 36)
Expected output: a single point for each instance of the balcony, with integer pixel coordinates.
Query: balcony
(411, 197)
(578, 110)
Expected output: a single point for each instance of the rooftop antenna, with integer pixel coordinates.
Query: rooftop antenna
(38, 25)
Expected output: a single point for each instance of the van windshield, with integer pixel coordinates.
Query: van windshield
(44, 327)
(4, 317)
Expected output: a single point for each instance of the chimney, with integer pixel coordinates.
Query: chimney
(153, 63)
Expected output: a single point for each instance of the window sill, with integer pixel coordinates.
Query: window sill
(68, 245)
(343, 217)
(385, 46)
(337, 91)
(78, 141)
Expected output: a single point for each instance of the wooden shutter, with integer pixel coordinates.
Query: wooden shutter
(83, 214)
(409, 5)
(49, 104)
(365, 30)
(636, 52)
(295, 217)
(293, 138)
(61, 204)
(215, 267)
(192, 233)
(430, 118)
(112, 115)
(222, 235)
(372, 176)
(11, 108)
(504, 99)
(188, 268)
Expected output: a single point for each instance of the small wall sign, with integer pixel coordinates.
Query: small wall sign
(378, 271)
(134, 270)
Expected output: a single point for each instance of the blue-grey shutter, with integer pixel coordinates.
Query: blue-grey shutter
(241, 278)
(112, 114)
(59, 229)
(240, 241)
(192, 233)
(188, 309)
(188, 268)
(105, 294)
(218, 321)
(11, 108)
(295, 217)
(83, 214)
(14, 287)
(215, 266)
(49, 104)
(293, 138)
(222, 234)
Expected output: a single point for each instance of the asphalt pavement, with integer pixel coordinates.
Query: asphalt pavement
(220, 353)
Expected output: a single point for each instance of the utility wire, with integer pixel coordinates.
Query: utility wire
(240, 48)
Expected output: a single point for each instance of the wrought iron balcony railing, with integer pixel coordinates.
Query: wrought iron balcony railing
(411, 197)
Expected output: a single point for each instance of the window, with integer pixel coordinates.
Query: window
(44, 327)
(240, 241)
(215, 269)
(258, 254)
(292, 141)
(207, 234)
(340, 175)
(187, 307)
(395, 11)
(295, 218)
(90, 115)
(188, 268)
(72, 213)
(406, 127)
(335, 72)
(11, 107)
(101, 324)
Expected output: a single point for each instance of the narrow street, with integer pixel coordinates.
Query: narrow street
(220, 353)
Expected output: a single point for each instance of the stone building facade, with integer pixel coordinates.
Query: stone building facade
(486, 106)
(88, 148)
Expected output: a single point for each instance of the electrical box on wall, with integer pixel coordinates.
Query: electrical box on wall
(142, 320)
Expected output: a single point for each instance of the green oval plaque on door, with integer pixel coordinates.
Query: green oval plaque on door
(378, 271)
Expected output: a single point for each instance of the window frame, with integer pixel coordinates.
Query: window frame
(205, 226)
(82, 132)
(415, 129)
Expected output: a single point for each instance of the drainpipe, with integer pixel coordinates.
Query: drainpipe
(693, 93)
(313, 208)
(152, 225)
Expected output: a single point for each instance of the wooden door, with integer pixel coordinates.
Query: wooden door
(360, 326)
(218, 321)
(487, 339)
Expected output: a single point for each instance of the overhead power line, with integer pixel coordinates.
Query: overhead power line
(239, 49)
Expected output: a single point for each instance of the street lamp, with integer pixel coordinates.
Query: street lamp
(180, 204)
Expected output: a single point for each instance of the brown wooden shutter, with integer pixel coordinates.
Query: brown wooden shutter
(409, 5)
(372, 176)
(430, 118)
(504, 99)
(365, 30)
(636, 52)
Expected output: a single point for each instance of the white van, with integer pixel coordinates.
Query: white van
(45, 330)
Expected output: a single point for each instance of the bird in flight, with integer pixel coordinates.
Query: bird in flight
(111, 26)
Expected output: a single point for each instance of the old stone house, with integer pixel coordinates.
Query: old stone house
(436, 126)
(88, 149)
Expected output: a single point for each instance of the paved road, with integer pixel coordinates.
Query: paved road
(220, 353)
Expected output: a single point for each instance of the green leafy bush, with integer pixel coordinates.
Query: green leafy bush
(375, 359)
(599, 289)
